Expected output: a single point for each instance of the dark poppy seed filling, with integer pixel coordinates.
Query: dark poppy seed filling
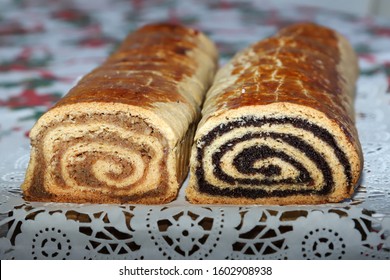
(277, 124)
(244, 160)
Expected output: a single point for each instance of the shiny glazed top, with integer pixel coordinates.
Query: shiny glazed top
(145, 69)
(301, 64)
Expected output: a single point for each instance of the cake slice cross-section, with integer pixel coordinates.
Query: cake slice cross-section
(123, 134)
(278, 123)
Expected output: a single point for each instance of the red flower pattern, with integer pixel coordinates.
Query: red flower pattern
(30, 98)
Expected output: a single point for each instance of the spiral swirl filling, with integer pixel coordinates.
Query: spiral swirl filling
(117, 156)
(261, 157)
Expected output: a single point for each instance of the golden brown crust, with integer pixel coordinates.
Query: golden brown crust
(306, 73)
(122, 134)
(145, 68)
(306, 58)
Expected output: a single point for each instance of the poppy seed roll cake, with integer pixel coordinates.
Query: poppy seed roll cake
(278, 123)
(123, 134)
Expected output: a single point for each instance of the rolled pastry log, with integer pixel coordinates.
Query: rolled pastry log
(123, 134)
(278, 123)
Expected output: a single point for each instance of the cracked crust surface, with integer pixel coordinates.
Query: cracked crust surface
(278, 123)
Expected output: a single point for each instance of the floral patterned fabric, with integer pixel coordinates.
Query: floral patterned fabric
(45, 46)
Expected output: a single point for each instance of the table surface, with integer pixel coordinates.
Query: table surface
(45, 46)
